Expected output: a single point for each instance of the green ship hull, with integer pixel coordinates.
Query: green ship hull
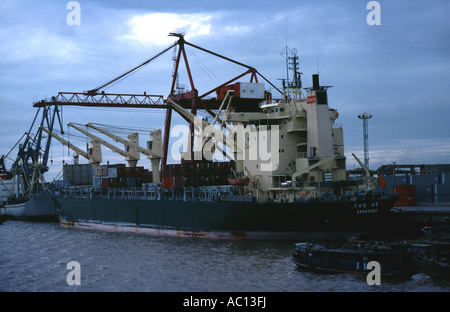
(226, 219)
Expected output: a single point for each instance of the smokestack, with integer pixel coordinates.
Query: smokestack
(316, 85)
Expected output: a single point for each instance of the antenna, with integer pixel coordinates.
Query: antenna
(286, 57)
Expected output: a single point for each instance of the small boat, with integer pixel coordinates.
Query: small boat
(239, 181)
(353, 257)
(435, 265)
(440, 233)
(432, 253)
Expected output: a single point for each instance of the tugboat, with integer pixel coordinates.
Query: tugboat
(353, 257)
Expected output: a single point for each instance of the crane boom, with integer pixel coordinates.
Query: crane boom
(125, 142)
(94, 161)
(154, 153)
(366, 170)
(131, 158)
(218, 136)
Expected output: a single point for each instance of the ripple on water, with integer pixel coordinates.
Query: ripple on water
(34, 256)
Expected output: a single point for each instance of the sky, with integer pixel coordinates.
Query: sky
(398, 71)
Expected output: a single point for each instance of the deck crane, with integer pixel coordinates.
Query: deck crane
(187, 100)
(154, 151)
(200, 127)
(211, 133)
(94, 155)
(369, 183)
(132, 155)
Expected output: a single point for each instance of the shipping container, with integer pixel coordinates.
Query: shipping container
(442, 193)
(112, 172)
(210, 168)
(243, 90)
(188, 181)
(446, 178)
(129, 172)
(166, 170)
(199, 181)
(199, 169)
(405, 201)
(222, 180)
(177, 170)
(178, 182)
(167, 182)
(131, 181)
(139, 171)
(421, 179)
(112, 182)
(148, 177)
(187, 169)
(121, 182)
(423, 189)
(96, 182)
(405, 190)
(101, 171)
(121, 171)
(104, 182)
(140, 181)
(78, 174)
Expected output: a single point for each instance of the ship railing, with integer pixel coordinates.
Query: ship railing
(143, 194)
(291, 184)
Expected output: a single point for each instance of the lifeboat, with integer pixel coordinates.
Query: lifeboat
(238, 181)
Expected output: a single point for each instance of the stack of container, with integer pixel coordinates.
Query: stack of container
(109, 176)
(195, 173)
(418, 189)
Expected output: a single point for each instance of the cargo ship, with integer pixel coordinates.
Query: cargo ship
(282, 175)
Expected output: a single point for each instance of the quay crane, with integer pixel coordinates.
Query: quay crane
(32, 157)
(187, 100)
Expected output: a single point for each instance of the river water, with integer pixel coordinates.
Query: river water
(34, 258)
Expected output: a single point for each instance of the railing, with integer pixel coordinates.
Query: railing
(189, 194)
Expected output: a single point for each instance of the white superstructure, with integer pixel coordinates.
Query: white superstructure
(299, 147)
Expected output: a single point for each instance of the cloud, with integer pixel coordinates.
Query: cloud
(36, 44)
(404, 151)
(153, 28)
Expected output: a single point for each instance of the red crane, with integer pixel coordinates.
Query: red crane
(188, 100)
